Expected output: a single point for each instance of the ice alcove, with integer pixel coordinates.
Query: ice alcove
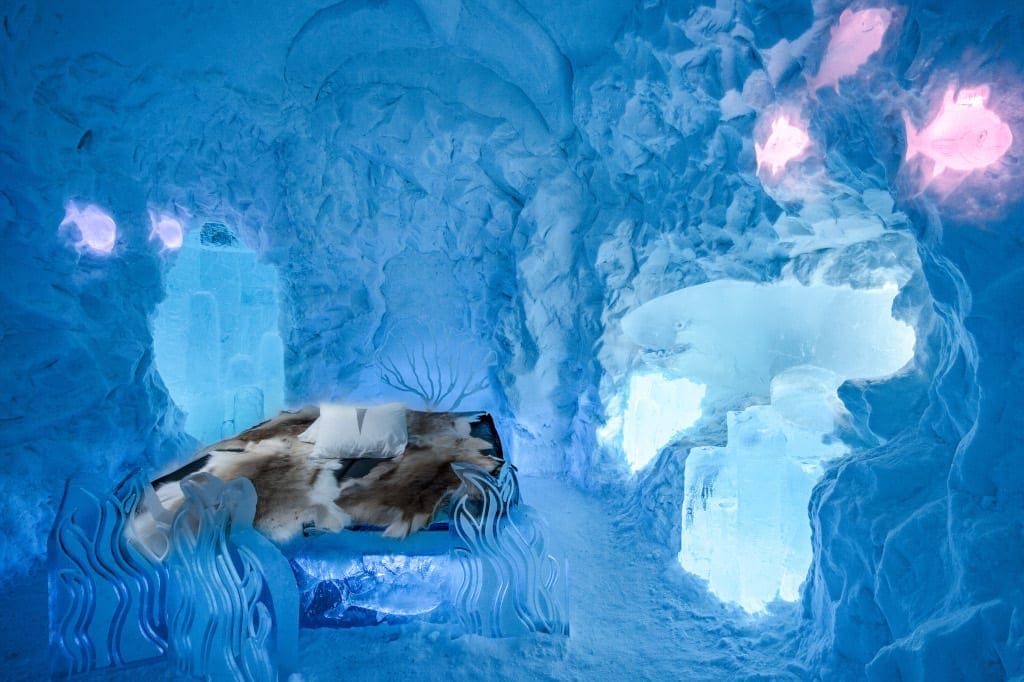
(215, 336)
(782, 348)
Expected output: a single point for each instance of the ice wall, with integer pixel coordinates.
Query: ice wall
(524, 195)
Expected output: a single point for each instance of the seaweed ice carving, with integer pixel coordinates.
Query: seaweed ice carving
(232, 603)
(105, 598)
(510, 586)
(222, 603)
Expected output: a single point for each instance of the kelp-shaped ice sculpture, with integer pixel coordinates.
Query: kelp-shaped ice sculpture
(232, 603)
(105, 598)
(510, 586)
(221, 603)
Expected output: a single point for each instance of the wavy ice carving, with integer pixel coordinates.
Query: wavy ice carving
(232, 602)
(510, 586)
(222, 604)
(105, 598)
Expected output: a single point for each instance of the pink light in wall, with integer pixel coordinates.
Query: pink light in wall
(97, 230)
(167, 229)
(964, 135)
(785, 143)
(856, 37)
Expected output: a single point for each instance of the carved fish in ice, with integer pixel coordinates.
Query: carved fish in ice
(965, 135)
(167, 229)
(97, 229)
(785, 143)
(856, 37)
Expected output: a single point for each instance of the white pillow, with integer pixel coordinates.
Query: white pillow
(347, 431)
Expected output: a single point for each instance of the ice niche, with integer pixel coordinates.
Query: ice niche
(216, 337)
(745, 527)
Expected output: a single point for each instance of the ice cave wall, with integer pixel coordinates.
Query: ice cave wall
(586, 163)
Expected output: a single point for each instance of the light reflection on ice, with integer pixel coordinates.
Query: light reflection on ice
(963, 135)
(96, 228)
(785, 143)
(856, 37)
(166, 228)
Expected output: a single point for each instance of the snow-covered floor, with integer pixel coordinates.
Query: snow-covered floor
(633, 613)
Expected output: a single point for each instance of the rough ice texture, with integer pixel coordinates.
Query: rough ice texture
(529, 192)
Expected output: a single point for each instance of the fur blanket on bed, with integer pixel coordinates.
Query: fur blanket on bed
(295, 489)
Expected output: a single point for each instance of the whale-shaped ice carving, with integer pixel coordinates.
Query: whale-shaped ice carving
(97, 230)
(734, 336)
(787, 344)
(785, 143)
(964, 135)
(856, 37)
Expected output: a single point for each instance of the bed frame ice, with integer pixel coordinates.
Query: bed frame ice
(226, 603)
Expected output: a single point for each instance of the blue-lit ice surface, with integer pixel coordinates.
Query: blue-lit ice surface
(215, 337)
(532, 176)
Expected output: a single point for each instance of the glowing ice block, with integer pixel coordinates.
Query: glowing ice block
(217, 345)
(745, 525)
(658, 408)
(734, 336)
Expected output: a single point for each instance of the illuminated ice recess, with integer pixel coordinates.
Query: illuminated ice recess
(787, 348)
(216, 339)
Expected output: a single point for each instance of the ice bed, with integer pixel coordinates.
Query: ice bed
(215, 565)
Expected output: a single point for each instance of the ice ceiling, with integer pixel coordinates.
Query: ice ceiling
(689, 254)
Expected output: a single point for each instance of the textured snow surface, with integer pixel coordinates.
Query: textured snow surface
(498, 185)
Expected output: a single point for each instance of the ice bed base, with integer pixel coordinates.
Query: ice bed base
(226, 603)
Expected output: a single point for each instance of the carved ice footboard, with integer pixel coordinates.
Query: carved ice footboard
(223, 602)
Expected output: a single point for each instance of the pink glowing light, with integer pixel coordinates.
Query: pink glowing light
(856, 37)
(964, 135)
(167, 229)
(785, 143)
(97, 230)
